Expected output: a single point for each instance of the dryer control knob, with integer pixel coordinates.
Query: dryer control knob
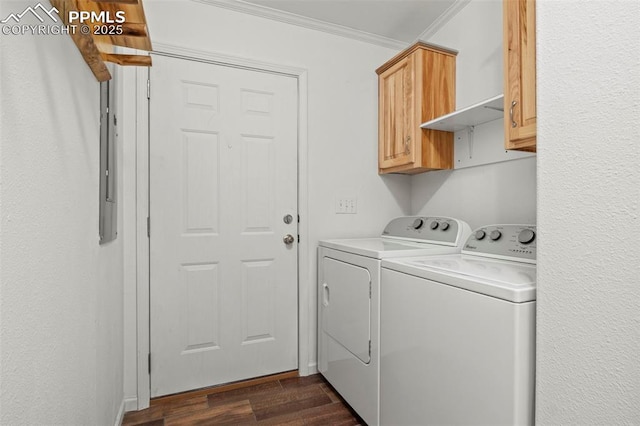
(495, 235)
(417, 224)
(434, 225)
(526, 236)
(444, 226)
(480, 234)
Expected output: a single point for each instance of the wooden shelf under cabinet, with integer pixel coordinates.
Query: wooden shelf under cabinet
(415, 86)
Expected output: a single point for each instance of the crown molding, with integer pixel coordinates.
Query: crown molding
(448, 14)
(310, 23)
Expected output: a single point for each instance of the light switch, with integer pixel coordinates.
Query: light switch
(347, 205)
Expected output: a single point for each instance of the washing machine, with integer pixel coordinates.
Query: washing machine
(457, 334)
(349, 301)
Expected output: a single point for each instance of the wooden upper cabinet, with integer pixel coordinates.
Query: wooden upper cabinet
(519, 28)
(415, 86)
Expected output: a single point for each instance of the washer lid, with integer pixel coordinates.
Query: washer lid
(382, 248)
(512, 281)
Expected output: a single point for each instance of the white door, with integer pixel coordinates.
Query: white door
(223, 176)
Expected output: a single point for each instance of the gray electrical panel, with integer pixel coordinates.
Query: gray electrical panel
(108, 206)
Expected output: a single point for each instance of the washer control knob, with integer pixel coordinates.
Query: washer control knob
(526, 236)
(434, 225)
(480, 234)
(495, 235)
(444, 226)
(417, 224)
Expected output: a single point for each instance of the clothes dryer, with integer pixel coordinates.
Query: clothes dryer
(349, 301)
(457, 333)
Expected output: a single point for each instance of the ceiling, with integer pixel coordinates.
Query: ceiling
(396, 20)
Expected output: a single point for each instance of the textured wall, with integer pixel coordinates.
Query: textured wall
(60, 292)
(494, 193)
(588, 371)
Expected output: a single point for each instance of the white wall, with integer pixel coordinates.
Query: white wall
(342, 117)
(495, 193)
(61, 311)
(589, 193)
(483, 195)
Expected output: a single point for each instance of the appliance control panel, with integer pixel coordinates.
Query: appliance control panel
(512, 242)
(436, 229)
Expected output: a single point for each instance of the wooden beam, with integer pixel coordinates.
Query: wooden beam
(117, 1)
(135, 34)
(131, 29)
(140, 43)
(95, 48)
(84, 42)
(133, 13)
(127, 60)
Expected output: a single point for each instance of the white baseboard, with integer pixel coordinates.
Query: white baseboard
(120, 415)
(312, 368)
(128, 404)
(307, 370)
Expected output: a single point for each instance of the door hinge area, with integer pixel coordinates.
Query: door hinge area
(369, 347)
(298, 238)
(370, 289)
(148, 89)
(149, 358)
(148, 227)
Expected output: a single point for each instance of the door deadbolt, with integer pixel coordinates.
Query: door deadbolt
(287, 219)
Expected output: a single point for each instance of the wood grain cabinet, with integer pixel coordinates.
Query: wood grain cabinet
(415, 86)
(519, 27)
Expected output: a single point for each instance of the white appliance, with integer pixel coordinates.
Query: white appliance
(349, 302)
(457, 333)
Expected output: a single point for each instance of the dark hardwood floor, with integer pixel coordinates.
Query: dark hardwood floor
(289, 401)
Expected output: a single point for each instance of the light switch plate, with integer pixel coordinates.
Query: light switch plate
(347, 205)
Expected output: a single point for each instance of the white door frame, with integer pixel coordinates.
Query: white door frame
(142, 206)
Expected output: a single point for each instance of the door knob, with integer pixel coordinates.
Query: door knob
(288, 239)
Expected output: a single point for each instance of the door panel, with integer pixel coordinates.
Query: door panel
(201, 183)
(397, 115)
(520, 74)
(223, 173)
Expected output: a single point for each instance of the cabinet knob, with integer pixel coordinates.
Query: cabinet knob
(407, 145)
(513, 123)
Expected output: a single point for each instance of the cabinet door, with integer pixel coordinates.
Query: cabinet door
(520, 74)
(396, 115)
